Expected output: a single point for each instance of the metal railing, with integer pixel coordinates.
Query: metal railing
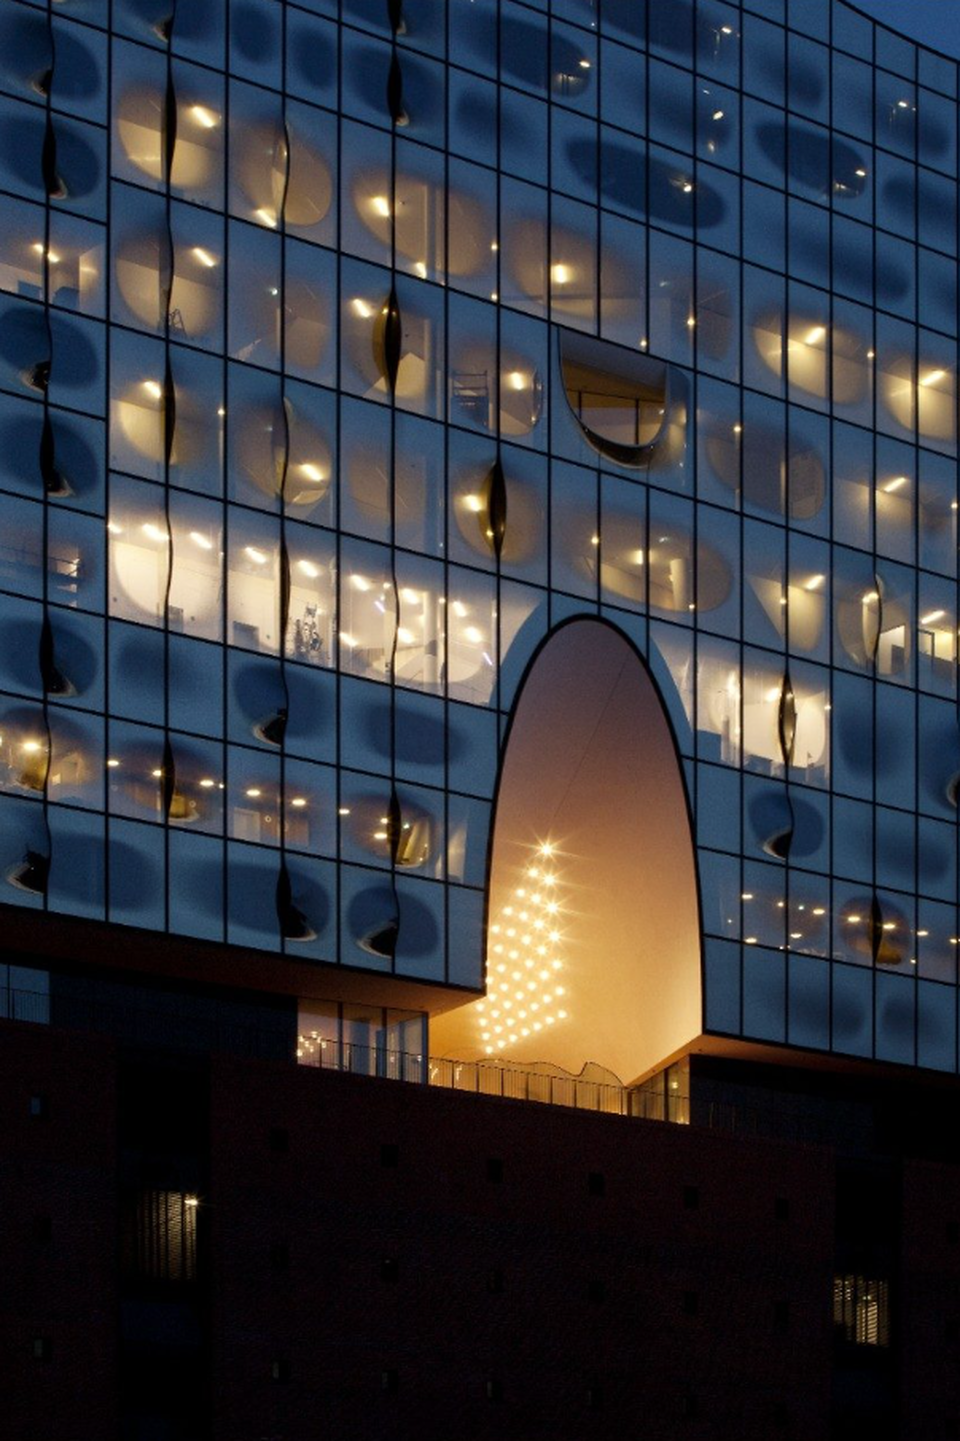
(488, 1078)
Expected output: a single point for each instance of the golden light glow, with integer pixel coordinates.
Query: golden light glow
(561, 274)
(933, 377)
(154, 388)
(895, 484)
(311, 471)
(524, 964)
(204, 257)
(361, 308)
(814, 336)
(380, 205)
(206, 119)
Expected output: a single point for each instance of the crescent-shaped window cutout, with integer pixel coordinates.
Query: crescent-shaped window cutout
(620, 398)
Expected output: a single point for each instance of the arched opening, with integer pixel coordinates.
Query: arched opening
(593, 934)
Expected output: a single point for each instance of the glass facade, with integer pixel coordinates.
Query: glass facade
(346, 349)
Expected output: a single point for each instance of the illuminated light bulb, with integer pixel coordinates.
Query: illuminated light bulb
(379, 835)
(489, 1050)
(796, 935)
(815, 582)
(266, 217)
(584, 64)
(298, 802)
(361, 308)
(738, 430)
(852, 920)
(381, 205)
(407, 637)
(749, 940)
(815, 335)
(311, 471)
(420, 269)
(923, 933)
(308, 568)
(870, 597)
(894, 484)
(559, 991)
(153, 532)
(112, 765)
(254, 793)
(201, 540)
(154, 388)
(459, 609)
(156, 774)
(537, 1026)
(204, 117)
(546, 848)
(257, 556)
(473, 634)
(560, 274)
(819, 911)
(562, 1015)
(113, 528)
(691, 321)
(516, 380)
(204, 257)
(549, 1020)
(934, 615)
(544, 975)
(934, 377)
(360, 582)
(207, 784)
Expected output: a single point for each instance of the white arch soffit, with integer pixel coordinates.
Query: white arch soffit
(591, 769)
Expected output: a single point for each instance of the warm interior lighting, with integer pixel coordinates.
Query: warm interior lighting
(312, 472)
(298, 802)
(933, 377)
(360, 582)
(308, 568)
(204, 257)
(815, 582)
(201, 540)
(266, 217)
(112, 764)
(204, 117)
(895, 484)
(254, 793)
(257, 556)
(473, 503)
(517, 380)
(934, 615)
(207, 784)
(814, 336)
(361, 308)
(154, 388)
(381, 205)
(153, 532)
(561, 274)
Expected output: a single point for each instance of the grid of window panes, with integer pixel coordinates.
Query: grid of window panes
(752, 208)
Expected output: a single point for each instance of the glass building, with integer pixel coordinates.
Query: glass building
(369, 367)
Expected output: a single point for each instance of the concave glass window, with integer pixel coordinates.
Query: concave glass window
(619, 398)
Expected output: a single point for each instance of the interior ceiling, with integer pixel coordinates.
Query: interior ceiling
(591, 769)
